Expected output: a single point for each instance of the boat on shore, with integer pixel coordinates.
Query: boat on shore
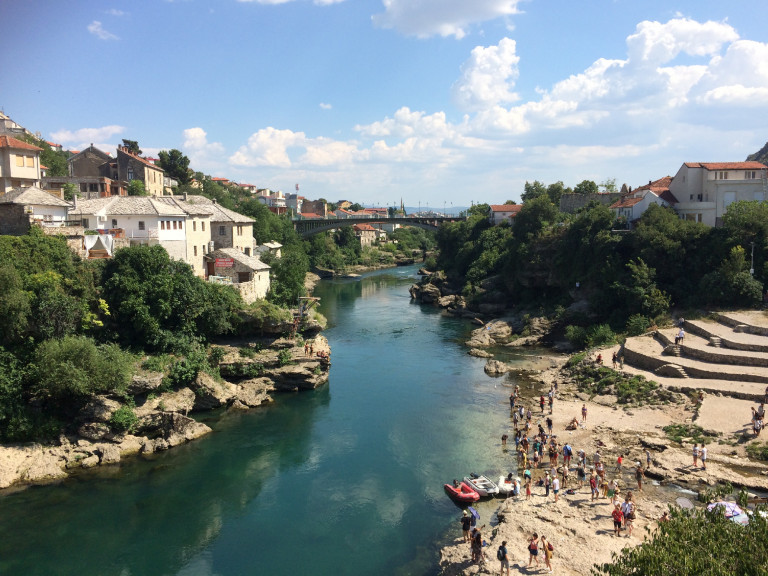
(482, 485)
(462, 492)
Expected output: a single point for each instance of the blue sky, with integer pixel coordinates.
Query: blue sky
(432, 101)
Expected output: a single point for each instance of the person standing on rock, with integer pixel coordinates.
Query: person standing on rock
(647, 458)
(583, 413)
(541, 403)
(639, 476)
(527, 487)
(703, 457)
(551, 400)
(548, 549)
(547, 484)
(618, 517)
(628, 511)
(504, 558)
(695, 455)
(533, 550)
(593, 485)
(466, 523)
(556, 486)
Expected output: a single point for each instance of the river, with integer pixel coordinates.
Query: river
(346, 479)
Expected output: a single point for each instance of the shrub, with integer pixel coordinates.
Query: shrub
(124, 419)
(576, 335)
(284, 357)
(637, 324)
(758, 451)
(158, 363)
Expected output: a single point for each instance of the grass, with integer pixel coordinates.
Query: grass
(597, 380)
(689, 432)
(758, 451)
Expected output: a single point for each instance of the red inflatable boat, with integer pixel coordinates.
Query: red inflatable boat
(463, 493)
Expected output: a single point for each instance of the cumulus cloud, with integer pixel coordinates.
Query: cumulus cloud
(325, 106)
(83, 137)
(424, 18)
(98, 30)
(488, 76)
(268, 147)
(203, 155)
(656, 43)
(116, 12)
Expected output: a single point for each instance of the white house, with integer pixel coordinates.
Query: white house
(503, 213)
(632, 204)
(23, 206)
(704, 190)
(247, 274)
(19, 164)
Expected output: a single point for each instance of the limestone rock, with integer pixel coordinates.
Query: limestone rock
(173, 427)
(297, 376)
(254, 392)
(99, 409)
(182, 400)
(144, 383)
(89, 461)
(430, 294)
(210, 394)
(94, 431)
(480, 353)
(496, 368)
(108, 454)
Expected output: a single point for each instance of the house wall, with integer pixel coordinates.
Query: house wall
(198, 231)
(13, 176)
(234, 235)
(14, 220)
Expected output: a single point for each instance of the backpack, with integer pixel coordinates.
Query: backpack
(500, 553)
(550, 547)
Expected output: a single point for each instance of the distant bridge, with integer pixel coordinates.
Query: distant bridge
(310, 226)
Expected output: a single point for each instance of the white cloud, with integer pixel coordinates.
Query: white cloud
(325, 106)
(656, 43)
(116, 12)
(203, 156)
(488, 76)
(97, 30)
(83, 137)
(268, 147)
(424, 18)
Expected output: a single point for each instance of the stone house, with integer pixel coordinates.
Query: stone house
(22, 207)
(228, 228)
(19, 164)
(132, 167)
(704, 190)
(273, 248)
(247, 274)
(366, 233)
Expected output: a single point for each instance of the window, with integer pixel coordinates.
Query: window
(86, 224)
(195, 250)
(30, 161)
(162, 224)
(83, 187)
(194, 226)
(721, 175)
(239, 230)
(20, 161)
(130, 174)
(203, 225)
(141, 225)
(243, 277)
(222, 230)
(93, 187)
(204, 249)
(750, 175)
(174, 224)
(181, 224)
(114, 223)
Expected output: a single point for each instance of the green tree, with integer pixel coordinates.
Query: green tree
(133, 147)
(555, 192)
(70, 190)
(15, 306)
(533, 190)
(699, 542)
(136, 188)
(288, 274)
(586, 187)
(732, 284)
(609, 185)
(534, 216)
(175, 164)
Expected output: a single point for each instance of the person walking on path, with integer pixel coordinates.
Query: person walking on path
(466, 523)
(615, 359)
(533, 550)
(556, 486)
(593, 486)
(583, 413)
(647, 458)
(618, 517)
(551, 400)
(619, 462)
(703, 457)
(695, 455)
(547, 484)
(528, 488)
(503, 558)
(548, 549)
(639, 476)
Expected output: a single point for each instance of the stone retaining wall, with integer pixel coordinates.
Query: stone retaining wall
(719, 357)
(704, 333)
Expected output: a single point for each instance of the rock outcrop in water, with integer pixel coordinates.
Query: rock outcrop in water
(251, 372)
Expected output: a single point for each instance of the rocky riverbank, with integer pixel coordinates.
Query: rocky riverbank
(251, 371)
(580, 529)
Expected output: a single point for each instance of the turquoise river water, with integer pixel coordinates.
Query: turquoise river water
(346, 479)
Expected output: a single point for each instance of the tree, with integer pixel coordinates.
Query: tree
(556, 190)
(133, 147)
(136, 188)
(70, 190)
(288, 274)
(609, 185)
(586, 187)
(510, 203)
(699, 542)
(533, 190)
(175, 164)
(534, 216)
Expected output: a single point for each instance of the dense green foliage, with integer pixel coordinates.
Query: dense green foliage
(55, 161)
(175, 164)
(630, 278)
(698, 542)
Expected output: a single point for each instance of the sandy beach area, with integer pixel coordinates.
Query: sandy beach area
(581, 530)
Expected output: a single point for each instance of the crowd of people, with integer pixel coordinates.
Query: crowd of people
(563, 469)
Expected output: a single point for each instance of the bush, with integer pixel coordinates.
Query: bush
(758, 451)
(637, 324)
(576, 335)
(284, 357)
(124, 419)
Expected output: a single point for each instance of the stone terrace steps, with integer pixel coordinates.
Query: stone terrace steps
(712, 331)
(751, 321)
(646, 353)
(698, 348)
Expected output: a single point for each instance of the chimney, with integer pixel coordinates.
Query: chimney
(74, 200)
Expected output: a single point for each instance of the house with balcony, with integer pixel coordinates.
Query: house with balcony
(19, 164)
(704, 190)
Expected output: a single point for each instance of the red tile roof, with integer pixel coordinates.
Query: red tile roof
(364, 228)
(514, 208)
(626, 202)
(310, 215)
(11, 142)
(727, 165)
(657, 186)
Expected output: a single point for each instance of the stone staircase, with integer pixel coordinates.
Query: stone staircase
(726, 353)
